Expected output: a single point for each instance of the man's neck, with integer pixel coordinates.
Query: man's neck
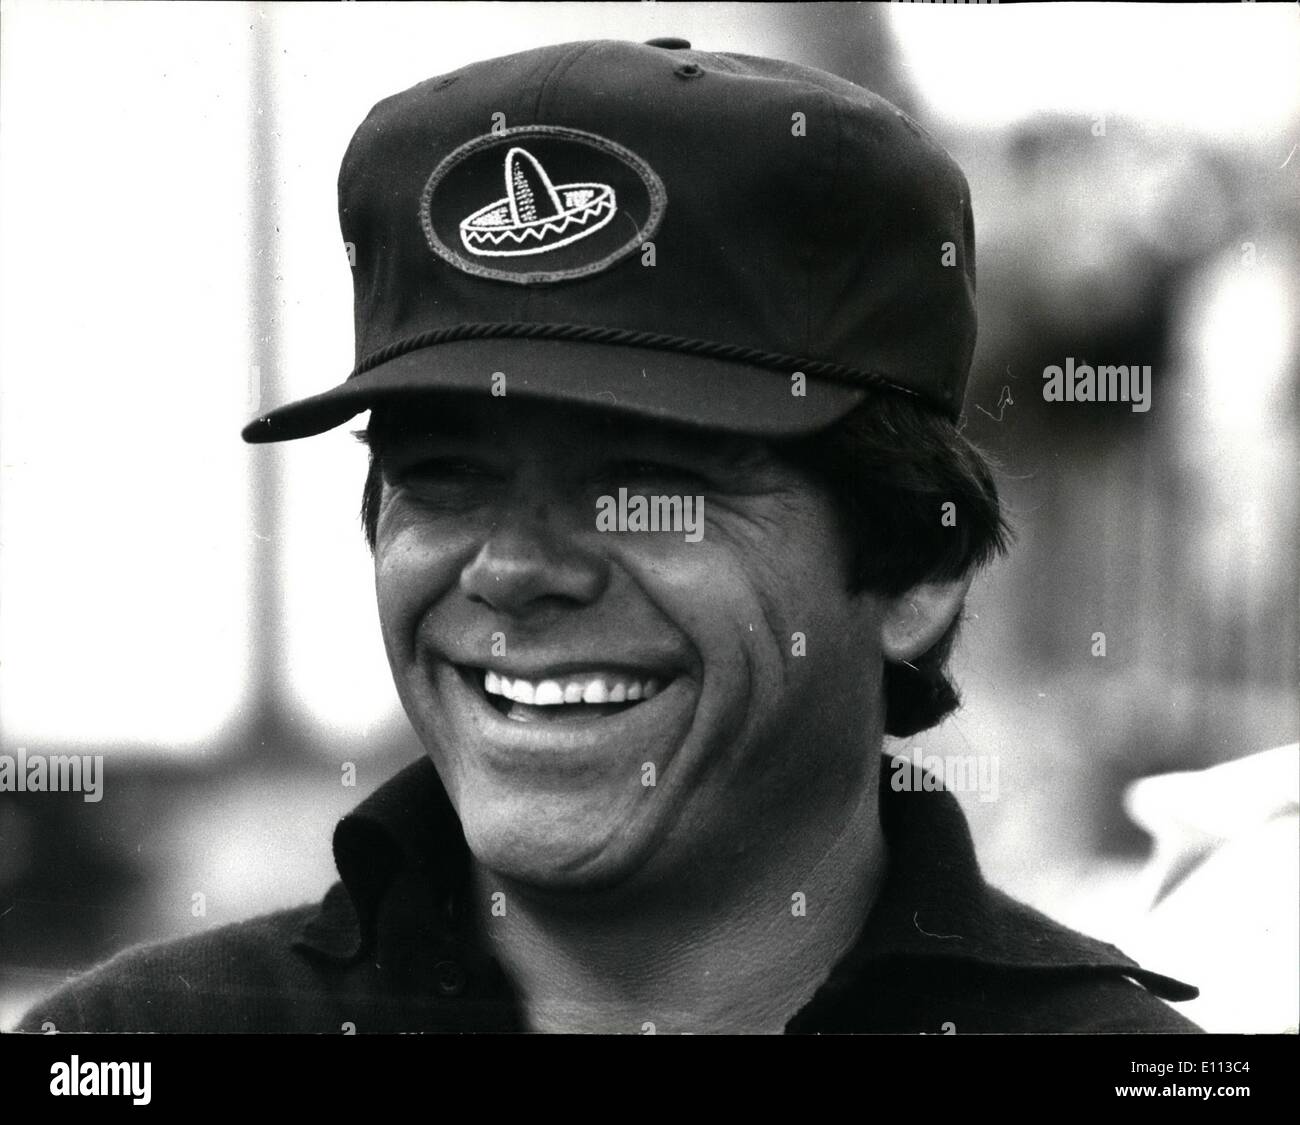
(742, 955)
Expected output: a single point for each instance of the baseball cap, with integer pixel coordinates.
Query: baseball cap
(716, 240)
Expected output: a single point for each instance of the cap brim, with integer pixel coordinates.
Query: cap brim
(648, 382)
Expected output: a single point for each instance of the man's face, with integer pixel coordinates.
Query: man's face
(757, 673)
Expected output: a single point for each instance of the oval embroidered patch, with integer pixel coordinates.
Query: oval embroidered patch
(540, 203)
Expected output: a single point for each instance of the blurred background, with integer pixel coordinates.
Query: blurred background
(201, 612)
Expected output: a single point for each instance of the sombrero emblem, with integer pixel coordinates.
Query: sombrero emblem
(575, 204)
(536, 216)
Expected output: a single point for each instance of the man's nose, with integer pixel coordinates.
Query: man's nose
(534, 560)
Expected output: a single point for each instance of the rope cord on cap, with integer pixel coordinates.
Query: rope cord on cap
(586, 333)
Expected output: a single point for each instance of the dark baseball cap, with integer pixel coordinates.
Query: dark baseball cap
(718, 240)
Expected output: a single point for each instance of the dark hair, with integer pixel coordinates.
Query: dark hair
(891, 465)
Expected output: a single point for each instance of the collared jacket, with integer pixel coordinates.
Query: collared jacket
(392, 948)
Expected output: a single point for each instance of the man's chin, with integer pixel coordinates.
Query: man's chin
(601, 853)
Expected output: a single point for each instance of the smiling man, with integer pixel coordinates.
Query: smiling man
(654, 798)
(643, 771)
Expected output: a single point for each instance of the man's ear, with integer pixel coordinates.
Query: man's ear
(914, 621)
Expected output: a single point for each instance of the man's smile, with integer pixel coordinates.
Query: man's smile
(569, 715)
(583, 694)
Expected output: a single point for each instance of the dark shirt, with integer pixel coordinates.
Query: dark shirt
(395, 947)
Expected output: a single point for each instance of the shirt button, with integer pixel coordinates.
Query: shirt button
(669, 43)
(449, 978)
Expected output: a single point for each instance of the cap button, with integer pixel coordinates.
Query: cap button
(449, 978)
(669, 43)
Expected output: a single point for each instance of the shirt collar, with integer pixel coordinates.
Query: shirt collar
(933, 903)
(407, 825)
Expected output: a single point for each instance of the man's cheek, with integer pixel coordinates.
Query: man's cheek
(410, 576)
(743, 618)
(396, 594)
(688, 582)
(740, 662)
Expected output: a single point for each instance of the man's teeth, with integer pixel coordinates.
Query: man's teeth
(594, 688)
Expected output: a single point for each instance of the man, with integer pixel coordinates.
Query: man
(671, 524)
